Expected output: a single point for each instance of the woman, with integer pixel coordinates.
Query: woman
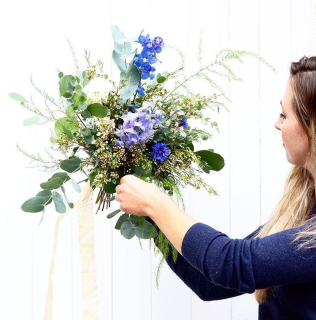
(278, 260)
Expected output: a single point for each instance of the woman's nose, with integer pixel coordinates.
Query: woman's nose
(277, 124)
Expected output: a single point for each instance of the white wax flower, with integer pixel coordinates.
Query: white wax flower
(97, 90)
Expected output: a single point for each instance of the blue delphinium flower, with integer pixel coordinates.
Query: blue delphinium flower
(140, 90)
(183, 123)
(160, 152)
(144, 60)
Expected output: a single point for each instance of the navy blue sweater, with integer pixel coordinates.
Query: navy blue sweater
(217, 267)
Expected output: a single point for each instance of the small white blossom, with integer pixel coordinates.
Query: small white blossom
(97, 90)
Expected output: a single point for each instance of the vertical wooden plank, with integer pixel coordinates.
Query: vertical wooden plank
(15, 226)
(210, 209)
(245, 136)
(90, 29)
(275, 47)
(49, 51)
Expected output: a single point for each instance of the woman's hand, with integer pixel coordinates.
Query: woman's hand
(145, 199)
(137, 196)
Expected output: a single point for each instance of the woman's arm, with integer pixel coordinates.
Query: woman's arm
(196, 281)
(242, 265)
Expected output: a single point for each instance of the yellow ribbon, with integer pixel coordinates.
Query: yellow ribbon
(89, 288)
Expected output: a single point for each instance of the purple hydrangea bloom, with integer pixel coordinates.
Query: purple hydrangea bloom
(160, 152)
(139, 126)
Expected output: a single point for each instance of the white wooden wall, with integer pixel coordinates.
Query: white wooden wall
(33, 41)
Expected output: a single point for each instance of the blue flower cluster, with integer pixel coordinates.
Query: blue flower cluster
(183, 123)
(138, 126)
(160, 152)
(144, 60)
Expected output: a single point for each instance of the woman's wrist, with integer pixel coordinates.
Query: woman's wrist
(156, 202)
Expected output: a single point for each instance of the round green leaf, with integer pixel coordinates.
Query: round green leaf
(145, 230)
(120, 221)
(70, 165)
(127, 230)
(47, 195)
(54, 183)
(214, 160)
(35, 204)
(98, 110)
(62, 175)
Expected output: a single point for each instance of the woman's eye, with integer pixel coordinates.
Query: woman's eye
(282, 115)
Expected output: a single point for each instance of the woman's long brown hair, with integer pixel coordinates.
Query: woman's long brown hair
(294, 208)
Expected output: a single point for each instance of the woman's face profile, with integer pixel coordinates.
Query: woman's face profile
(294, 138)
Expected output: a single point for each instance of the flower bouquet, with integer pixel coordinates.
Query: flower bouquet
(138, 126)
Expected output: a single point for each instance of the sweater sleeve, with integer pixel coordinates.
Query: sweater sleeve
(245, 265)
(196, 281)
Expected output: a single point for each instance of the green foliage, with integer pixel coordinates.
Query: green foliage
(71, 165)
(70, 204)
(35, 204)
(47, 195)
(31, 121)
(132, 83)
(112, 214)
(134, 225)
(98, 110)
(66, 124)
(210, 160)
(17, 97)
(121, 220)
(51, 184)
(59, 203)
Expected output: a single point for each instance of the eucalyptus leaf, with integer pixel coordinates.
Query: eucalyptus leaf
(35, 204)
(59, 203)
(85, 78)
(70, 165)
(123, 48)
(63, 85)
(119, 61)
(112, 214)
(31, 121)
(52, 184)
(120, 221)
(145, 230)
(117, 34)
(70, 204)
(132, 85)
(17, 97)
(62, 175)
(47, 195)
(75, 184)
(127, 230)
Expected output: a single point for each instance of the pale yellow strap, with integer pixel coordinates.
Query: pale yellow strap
(90, 301)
